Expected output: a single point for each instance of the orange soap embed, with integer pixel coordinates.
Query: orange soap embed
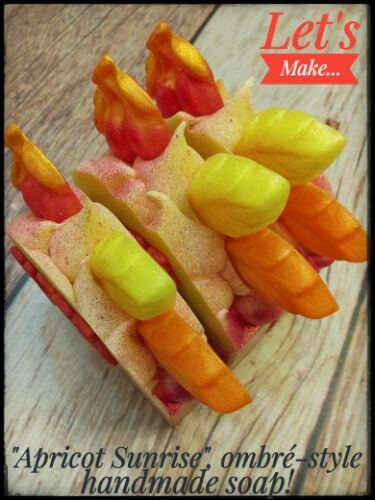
(318, 221)
(191, 361)
(275, 269)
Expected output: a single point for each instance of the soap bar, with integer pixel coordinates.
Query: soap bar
(237, 196)
(131, 277)
(292, 143)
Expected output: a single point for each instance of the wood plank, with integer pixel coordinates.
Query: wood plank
(344, 419)
(9, 10)
(31, 30)
(56, 96)
(297, 372)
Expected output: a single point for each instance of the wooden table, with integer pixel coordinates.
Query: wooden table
(308, 378)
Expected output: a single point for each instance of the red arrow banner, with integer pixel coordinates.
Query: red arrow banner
(300, 69)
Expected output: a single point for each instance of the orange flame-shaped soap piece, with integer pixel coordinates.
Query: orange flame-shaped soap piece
(44, 189)
(269, 264)
(126, 114)
(317, 220)
(188, 358)
(178, 77)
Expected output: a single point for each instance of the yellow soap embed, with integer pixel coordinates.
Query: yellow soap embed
(131, 277)
(237, 196)
(292, 143)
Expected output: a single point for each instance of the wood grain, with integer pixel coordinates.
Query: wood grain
(343, 415)
(308, 378)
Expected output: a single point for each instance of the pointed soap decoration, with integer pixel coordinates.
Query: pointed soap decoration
(221, 131)
(188, 358)
(290, 142)
(131, 277)
(269, 264)
(45, 190)
(178, 77)
(316, 219)
(126, 115)
(28, 159)
(237, 196)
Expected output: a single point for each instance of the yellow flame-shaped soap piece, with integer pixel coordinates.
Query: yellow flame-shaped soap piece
(116, 85)
(28, 159)
(131, 277)
(237, 196)
(179, 51)
(292, 143)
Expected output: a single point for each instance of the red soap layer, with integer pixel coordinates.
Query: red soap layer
(240, 331)
(58, 300)
(170, 392)
(47, 203)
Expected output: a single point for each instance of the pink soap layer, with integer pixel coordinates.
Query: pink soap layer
(240, 331)
(254, 310)
(170, 392)
(56, 298)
